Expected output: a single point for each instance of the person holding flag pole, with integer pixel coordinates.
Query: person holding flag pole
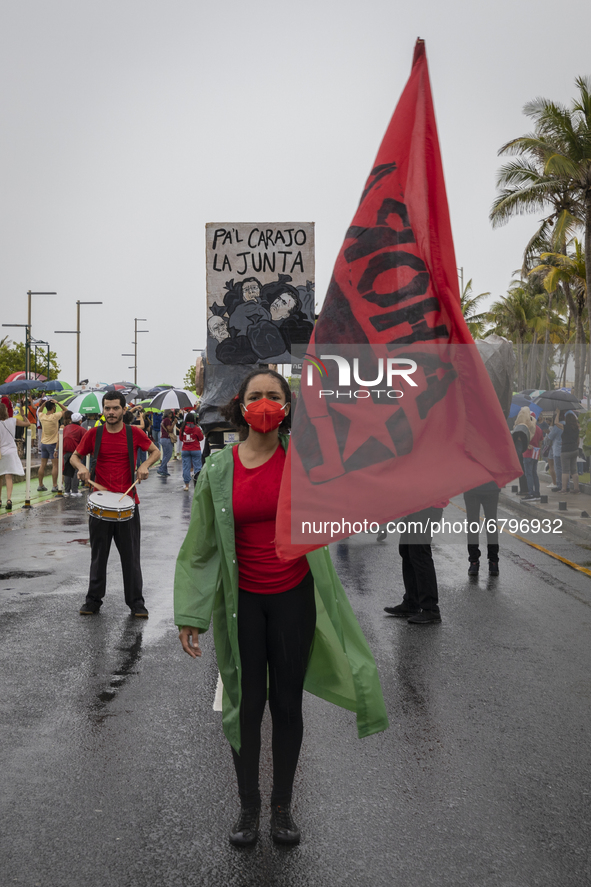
(290, 620)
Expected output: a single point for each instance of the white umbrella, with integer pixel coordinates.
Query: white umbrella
(174, 399)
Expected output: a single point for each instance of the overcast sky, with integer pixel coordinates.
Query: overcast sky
(129, 124)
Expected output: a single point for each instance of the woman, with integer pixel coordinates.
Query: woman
(555, 435)
(264, 610)
(486, 496)
(570, 450)
(165, 443)
(190, 436)
(9, 461)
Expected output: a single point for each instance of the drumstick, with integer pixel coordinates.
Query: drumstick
(127, 491)
(98, 486)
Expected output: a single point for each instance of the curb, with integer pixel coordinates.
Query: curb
(571, 525)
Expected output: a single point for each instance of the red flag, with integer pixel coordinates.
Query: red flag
(396, 411)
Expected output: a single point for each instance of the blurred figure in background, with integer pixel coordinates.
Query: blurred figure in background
(73, 434)
(190, 436)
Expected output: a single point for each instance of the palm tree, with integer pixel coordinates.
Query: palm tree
(557, 174)
(520, 317)
(476, 322)
(568, 271)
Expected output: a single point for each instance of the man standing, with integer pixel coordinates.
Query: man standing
(420, 604)
(50, 420)
(73, 434)
(115, 447)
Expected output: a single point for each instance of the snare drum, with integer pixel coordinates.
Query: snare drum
(106, 506)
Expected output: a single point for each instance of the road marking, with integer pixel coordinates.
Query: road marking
(553, 554)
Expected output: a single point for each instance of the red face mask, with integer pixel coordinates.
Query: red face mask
(264, 415)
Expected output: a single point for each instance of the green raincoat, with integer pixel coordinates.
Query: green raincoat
(341, 668)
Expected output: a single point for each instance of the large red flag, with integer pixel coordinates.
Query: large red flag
(396, 411)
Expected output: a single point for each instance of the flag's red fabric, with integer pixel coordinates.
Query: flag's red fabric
(395, 292)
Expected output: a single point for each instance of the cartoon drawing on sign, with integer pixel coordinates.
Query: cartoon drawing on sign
(256, 319)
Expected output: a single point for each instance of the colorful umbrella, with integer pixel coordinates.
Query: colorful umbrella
(21, 374)
(174, 399)
(54, 385)
(85, 403)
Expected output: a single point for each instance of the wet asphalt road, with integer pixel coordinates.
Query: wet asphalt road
(114, 769)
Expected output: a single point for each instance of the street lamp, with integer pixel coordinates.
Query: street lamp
(28, 350)
(76, 333)
(134, 343)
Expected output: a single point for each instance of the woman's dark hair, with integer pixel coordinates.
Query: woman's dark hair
(3, 412)
(68, 417)
(232, 411)
(115, 395)
(571, 419)
(188, 418)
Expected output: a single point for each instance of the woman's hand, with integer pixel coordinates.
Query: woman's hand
(189, 638)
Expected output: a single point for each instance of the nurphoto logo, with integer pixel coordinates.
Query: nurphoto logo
(387, 370)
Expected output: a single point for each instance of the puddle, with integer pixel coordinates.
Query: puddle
(24, 574)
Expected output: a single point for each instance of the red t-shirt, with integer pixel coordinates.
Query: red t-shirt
(190, 437)
(73, 434)
(165, 427)
(255, 494)
(112, 465)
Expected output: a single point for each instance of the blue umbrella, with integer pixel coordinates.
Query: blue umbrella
(520, 401)
(18, 387)
(54, 385)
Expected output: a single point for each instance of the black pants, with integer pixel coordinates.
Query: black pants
(275, 633)
(489, 501)
(418, 569)
(127, 539)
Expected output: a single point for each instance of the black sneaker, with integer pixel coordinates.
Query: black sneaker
(89, 609)
(425, 617)
(493, 568)
(139, 611)
(400, 610)
(246, 831)
(283, 828)
(473, 568)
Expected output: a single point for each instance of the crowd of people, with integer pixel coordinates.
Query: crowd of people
(175, 432)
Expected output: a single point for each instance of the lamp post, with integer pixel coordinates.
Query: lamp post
(35, 343)
(76, 333)
(28, 350)
(134, 343)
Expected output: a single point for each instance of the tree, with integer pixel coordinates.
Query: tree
(189, 379)
(13, 359)
(556, 174)
(520, 317)
(475, 322)
(568, 271)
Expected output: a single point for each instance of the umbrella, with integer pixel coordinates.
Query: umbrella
(174, 399)
(85, 403)
(55, 385)
(520, 401)
(558, 400)
(21, 374)
(119, 385)
(18, 387)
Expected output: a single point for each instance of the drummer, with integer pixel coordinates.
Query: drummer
(116, 453)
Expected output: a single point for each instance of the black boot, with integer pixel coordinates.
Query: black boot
(473, 568)
(283, 828)
(246, 831)
(493, 568)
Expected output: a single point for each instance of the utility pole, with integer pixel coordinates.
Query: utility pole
(134, 343)
(76, 332)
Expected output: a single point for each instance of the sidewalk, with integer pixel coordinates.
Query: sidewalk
(574, 510)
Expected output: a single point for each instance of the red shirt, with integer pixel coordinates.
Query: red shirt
(112, 466)
(73, 434)
(534, 442)
(165, 428)
(255, 495)
(191, 436)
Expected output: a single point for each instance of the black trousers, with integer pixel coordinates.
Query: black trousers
(127, 539)
(489, 501)
(275, 633)
(418, 569)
